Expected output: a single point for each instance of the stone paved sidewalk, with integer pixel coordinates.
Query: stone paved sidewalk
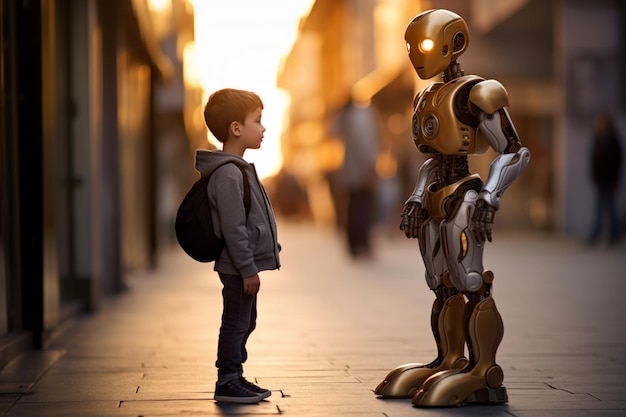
(329, 330)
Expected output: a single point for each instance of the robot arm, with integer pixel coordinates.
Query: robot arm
(423, 179)
(414, 214)
(490, 98)
(504, 170)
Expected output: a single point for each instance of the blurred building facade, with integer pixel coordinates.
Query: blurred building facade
(84, 83)
(561, 62)
(346, 50)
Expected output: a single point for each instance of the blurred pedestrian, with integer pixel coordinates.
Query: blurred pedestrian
(234, 118)
(606, 163)
(360, 132)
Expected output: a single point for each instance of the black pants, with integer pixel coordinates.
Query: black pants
(238, 322)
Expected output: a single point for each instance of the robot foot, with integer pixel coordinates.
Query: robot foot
(405, 380)
(452, 388)
(489, 396)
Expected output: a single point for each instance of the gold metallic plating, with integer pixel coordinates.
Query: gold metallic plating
(490, 96)
(463, 244)
(451, 136)
(488, 276)
(405, 380)
(435, 200)
(452, 387)
(440, 27)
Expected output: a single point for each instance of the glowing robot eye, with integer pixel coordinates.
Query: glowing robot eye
(426, 45)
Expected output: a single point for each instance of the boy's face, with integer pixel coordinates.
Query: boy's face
(252, 130)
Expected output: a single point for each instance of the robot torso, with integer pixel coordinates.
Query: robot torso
(442, 121)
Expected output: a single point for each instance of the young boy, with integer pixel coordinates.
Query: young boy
(234, 118)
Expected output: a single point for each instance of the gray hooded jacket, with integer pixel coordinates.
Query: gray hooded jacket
(252, 244)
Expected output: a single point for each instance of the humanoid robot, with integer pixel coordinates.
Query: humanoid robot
(451, 212)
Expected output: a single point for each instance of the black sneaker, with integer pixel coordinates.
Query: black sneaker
(255, 388)
(235, 392)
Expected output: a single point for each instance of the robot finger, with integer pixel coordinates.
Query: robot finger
(484, 232)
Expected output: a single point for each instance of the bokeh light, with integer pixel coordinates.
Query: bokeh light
(241, 44)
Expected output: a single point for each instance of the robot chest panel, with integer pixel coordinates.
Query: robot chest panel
(436, 126)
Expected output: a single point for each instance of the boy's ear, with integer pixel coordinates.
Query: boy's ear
(235, 129)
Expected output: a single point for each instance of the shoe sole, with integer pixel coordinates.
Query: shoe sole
(240, 400)
(265, 394)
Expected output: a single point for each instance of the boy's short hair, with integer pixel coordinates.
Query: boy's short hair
(226, 106)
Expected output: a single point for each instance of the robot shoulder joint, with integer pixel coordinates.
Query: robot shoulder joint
(489, 96)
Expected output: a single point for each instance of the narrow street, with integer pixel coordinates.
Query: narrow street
(329, 330)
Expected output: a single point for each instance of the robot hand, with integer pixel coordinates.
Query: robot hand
(413, 216)
(482, 221)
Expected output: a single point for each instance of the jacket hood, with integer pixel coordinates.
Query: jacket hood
(208, 161)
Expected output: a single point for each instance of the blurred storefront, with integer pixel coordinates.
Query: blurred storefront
(347, 50)
(83, 85)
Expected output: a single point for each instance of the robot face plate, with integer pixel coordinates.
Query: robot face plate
(434, 39)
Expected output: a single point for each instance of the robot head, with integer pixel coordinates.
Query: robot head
(434, 39)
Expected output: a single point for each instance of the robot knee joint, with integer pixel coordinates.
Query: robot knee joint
(473, 281)
(479, 282)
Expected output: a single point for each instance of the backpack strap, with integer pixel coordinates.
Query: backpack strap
(246, 189)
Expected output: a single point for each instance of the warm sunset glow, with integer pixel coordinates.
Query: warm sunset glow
(240, 44)
(159, 6)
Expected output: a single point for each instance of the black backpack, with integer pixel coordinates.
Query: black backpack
(194, 226)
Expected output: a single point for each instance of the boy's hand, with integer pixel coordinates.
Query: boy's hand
(251, 285)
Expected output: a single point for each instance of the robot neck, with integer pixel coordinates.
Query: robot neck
(453, 71)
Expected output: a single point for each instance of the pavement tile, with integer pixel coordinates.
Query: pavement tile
(196, 408)
(68, 409)
(19, 375)
(102, 386)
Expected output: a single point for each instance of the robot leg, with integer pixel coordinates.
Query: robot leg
(405, 380)
(447, 323)
(481, 380)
